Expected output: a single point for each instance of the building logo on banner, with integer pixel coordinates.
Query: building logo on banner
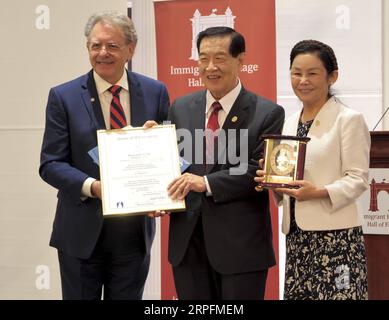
(375, 188)
(374, 203)
(200, 23)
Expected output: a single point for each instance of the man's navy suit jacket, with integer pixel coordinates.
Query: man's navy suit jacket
(73, 116)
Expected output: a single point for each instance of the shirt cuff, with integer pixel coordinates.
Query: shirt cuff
(86, 188)
(208, 192)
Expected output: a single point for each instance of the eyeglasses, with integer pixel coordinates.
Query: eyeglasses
(109, 47)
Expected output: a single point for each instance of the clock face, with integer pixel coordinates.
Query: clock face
(282, 159)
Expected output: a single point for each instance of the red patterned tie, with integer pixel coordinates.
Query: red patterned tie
(117, 116)
(212, 132)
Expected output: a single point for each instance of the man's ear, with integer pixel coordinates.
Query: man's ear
(131, 50)
(241, 58)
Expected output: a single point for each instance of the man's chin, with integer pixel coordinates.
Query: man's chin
(216, 92)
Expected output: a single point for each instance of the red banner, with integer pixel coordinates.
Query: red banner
(177, 24)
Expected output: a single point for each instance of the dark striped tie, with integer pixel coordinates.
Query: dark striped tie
(117, 116)
(212, 132)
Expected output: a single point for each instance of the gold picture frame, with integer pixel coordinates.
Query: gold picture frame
(284, 160)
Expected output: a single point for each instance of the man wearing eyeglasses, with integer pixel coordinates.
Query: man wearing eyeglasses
(98, 255)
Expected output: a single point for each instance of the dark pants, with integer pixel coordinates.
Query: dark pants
(195, 279)
(118, 264)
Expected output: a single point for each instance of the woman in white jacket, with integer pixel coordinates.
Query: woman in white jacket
(325, 253)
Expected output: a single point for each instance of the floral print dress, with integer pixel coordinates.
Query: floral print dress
(324, 265)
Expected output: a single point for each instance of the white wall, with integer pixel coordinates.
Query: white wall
(353, 30)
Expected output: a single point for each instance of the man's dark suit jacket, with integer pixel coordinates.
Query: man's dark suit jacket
(235, 219)
(73, 116)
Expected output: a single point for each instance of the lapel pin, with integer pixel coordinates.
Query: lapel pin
(234, 119)
(317, 123)
(92, 99)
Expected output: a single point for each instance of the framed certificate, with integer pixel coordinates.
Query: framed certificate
(136, 166)
(284, 160)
